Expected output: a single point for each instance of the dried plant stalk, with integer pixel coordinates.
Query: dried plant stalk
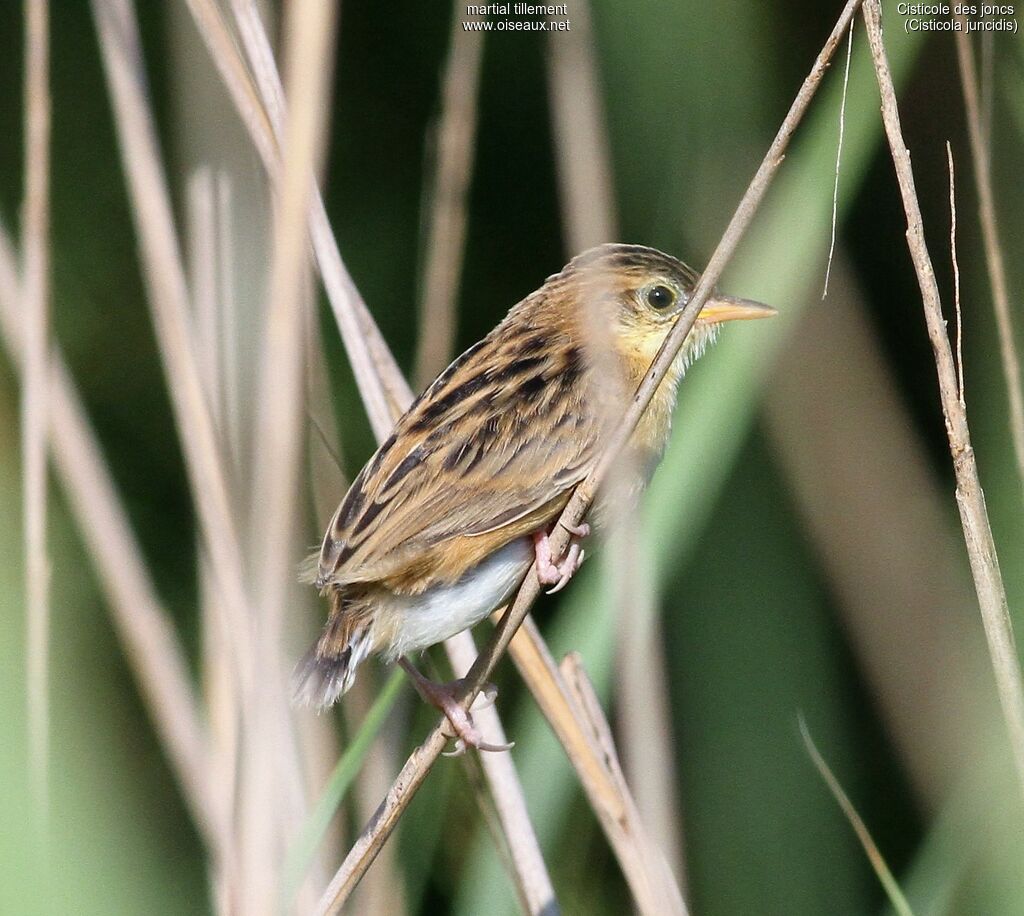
(981, 550)
(364, 342)
(456, 131)
(34, 393)
(168, 298)
(588, 203)
(659, 894)
(272, 800)
(143, 625)
(419, 763)
(528, 869)
(977, 131)
(581, 139)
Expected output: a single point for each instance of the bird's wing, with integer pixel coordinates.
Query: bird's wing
(496, 443)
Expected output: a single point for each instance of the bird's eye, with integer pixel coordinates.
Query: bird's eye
(660, 297)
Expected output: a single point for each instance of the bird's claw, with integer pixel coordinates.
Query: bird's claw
(446, 698)
(558, 574)
(581, 530)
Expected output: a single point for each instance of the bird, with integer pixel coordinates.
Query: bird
(445, 520)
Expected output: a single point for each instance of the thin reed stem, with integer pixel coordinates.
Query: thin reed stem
(871, 850)
(977, 131)
(581, 138)
(143, 625)
(35, 288)
(527, 863)
(981, 549)
(587, 187)
(168, 298)
(277, 451)
(453, 171)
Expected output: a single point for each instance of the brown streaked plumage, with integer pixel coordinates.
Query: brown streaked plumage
(448, 510)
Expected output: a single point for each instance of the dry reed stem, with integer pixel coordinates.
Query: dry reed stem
(279, 432)
(583, 158)
(363, 341)
(839, 157)
(981, 550)
(956, 278)
(415, 770)
(588, 204)
(527, 866)
(579, 724)
(456, 132)
(35, 288)
(230, 327)
(277, 451)
(661, 894)
(378, 378)
(221, 699)
(143, 625)
(445, 249)
(271, 790)
(980, 154)
(164, 276)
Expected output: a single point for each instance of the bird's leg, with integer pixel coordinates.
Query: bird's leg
(446, 698)
(559, 574)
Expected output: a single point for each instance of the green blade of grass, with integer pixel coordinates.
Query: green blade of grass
(301, 854)
(881, 869)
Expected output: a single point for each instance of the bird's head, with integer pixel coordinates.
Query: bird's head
(635, 294)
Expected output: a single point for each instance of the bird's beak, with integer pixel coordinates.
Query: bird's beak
(728, 308)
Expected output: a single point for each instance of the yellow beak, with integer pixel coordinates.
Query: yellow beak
(729, 308)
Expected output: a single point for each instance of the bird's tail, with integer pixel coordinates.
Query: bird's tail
(328, 669)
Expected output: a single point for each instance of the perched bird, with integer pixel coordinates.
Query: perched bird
(443, 523)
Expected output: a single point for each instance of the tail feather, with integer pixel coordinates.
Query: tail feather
(319, 680)
(328, 669)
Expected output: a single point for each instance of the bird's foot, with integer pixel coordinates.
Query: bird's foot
(446, 698)
(558, 574)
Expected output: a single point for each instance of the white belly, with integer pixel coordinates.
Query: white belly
(445, 610)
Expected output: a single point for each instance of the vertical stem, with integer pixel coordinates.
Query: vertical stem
(35, 394)
(981, 549)
(980, 151)
(456, 131)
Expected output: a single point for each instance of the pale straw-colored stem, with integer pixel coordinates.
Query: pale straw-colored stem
(143, 625)
(168, 298)
(35, 287)
(528, 869)
(981, 549)
(581, 138)
(588, 204)
(980, 156)
(453, 170)
(364, 342)
(268, 793)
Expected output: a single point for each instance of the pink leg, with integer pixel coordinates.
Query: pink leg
(446, 698)
(558, 574)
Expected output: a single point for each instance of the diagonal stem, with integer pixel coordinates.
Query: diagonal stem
(419, 763)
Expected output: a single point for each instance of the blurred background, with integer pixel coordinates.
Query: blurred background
(799, 552)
